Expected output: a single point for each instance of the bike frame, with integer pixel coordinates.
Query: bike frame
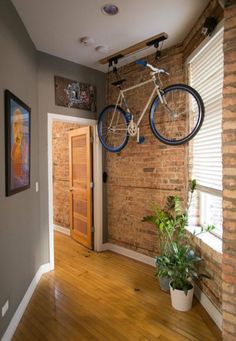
(121, 97)
(160, 98)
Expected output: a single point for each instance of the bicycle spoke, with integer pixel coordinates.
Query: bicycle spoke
(111, 133)
(176, 118)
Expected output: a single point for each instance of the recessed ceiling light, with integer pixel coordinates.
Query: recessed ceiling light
(102, 49)
(110, 9)
(87, 41)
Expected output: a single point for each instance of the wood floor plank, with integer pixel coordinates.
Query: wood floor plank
(105, 296)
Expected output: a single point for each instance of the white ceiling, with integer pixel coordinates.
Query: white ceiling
(56, 26)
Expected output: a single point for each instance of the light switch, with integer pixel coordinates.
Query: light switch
(36, 186)
(5, 308)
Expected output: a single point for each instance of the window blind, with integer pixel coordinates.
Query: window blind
(206, 76)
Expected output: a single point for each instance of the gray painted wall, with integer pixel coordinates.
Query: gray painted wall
(20, 248)
(48, 67)
(24, 216)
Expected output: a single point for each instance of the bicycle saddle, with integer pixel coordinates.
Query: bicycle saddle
(119, 82)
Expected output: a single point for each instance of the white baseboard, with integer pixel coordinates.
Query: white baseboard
(62, 229)
(209, 307)
(129, 253)
(24, 302)
(202, 298)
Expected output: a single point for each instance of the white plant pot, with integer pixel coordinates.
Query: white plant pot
(164, 284)
(179, 300)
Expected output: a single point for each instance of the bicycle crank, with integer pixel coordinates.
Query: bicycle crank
(132, 128)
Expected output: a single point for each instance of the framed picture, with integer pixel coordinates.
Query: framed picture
(74, 94)
(17, 144)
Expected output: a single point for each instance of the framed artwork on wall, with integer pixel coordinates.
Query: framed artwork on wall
(74, 94)
(17, 144)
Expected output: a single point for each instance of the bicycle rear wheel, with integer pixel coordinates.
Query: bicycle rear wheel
(112, 128)
(178, 119)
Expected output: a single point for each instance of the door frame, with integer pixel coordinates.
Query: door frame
(97, 180)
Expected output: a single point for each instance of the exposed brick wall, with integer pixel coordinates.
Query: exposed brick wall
(143, 174)
(229, 176)
(60, 143)
(148, 173)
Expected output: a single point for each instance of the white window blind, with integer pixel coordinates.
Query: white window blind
(206, 76)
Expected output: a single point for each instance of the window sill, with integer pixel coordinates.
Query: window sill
(207, 238)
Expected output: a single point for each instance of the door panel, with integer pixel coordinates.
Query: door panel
(80, 185)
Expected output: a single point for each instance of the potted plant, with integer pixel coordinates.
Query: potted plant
(170, 224)
(180, 268)
(164, 228)
(179, 265)
(176, 264)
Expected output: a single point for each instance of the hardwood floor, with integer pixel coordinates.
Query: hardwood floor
(106, 296)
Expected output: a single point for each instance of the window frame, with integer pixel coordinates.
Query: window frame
(203, 189)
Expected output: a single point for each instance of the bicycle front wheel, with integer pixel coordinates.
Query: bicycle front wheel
(177, 118)
(112, 128)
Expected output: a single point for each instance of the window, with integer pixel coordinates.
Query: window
(206, 76)
(211, 211)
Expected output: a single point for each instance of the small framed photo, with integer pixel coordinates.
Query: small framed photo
(17, 144)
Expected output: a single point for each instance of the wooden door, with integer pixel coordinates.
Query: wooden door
(80, 163)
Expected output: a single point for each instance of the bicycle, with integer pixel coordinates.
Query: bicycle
(175, 117)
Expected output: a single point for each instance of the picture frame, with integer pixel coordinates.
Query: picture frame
(75, 94)
(17, 144)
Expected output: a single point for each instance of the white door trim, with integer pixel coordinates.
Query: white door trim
(97, 178)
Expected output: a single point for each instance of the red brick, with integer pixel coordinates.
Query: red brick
(231, 279)
(229, 289)
(228, 268)
(230, 317)
(229, 327)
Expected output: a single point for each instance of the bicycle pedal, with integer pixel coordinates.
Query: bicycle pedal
(141, 140)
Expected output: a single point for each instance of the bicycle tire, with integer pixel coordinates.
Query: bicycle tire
(200, 115)
(124, 122)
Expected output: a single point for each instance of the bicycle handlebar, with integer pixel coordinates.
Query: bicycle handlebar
(154, 69)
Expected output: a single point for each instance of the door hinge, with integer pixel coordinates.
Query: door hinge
(91, 139)
(91, 184)
(92, 229)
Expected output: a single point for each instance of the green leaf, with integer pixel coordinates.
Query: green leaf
(192, 185)
(210, 228)
(194, 274)
(175, 247)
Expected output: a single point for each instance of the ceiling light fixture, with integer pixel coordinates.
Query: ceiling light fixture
(102, 49)
(87, 41)
(110, 9)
